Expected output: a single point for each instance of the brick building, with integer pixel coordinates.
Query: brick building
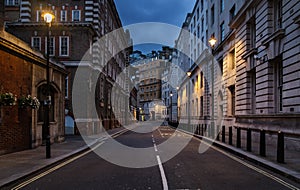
(76, 28)
(23, 72)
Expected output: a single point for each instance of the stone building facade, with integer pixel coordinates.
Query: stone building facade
(74, 34)
(149, 93)
(249, 78)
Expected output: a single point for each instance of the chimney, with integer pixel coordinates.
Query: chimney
(1, 15)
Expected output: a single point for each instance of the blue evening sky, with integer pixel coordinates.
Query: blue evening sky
(165, 11)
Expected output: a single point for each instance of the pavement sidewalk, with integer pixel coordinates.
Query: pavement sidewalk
(290, 168)
(17, 165)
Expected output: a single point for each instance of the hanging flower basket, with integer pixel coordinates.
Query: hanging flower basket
(28, 101)
(8, 99)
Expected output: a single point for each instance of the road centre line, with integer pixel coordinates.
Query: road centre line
(286, 184)
(155, 147)
(162, 173)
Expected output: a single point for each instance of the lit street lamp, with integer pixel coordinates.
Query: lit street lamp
(48, 17)
(212, 41)
(189, 97)
(171, 96)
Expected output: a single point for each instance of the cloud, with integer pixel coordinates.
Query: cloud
(164, 11)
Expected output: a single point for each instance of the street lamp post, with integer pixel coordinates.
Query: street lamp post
(212, 41)
(189, 98)
(48, 17)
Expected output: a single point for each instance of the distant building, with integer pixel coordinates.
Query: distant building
(149, 90)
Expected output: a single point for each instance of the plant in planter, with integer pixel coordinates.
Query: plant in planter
(28, 101)
(8, 99)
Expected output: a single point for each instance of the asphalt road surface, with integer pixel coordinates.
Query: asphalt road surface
(150, 164)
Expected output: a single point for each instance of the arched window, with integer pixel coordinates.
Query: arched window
(42, 96)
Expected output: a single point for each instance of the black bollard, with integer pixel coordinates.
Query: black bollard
(230, 135)
(262, 144)
(280, 147)
(218, 132)
(223, 133)
(249, 140)
(238, 137)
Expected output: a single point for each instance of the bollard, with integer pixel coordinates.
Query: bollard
(230, 135)
(262, 144)
(249, 140)
(218, 132)
(223, 133)
(280, 147)
(238, 137)
(208, 130)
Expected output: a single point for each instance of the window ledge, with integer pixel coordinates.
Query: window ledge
(250, 52)
(297, 19)
(278, 34)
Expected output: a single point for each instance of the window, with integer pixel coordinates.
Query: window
(232, 100)
(212, 15)
(36, 43)
(206, 15)
(278, 83)
(39, 16)
(12, 3)
(222, 6)
(66, 87)
(277, 14)
(221, 66)
(201, 106)
(222, 31)
(76, 15)
(197, 107)
(201, 80)
(63, 15)
(251, 33)
(51, 46)
(231, 59)
(63, 46)
(198, 31)
(252, 75)
(232, 13)
(198, 13)
(202, 5)
(202, 24)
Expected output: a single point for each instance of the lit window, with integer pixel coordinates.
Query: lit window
(64, 46)
(76, 15)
